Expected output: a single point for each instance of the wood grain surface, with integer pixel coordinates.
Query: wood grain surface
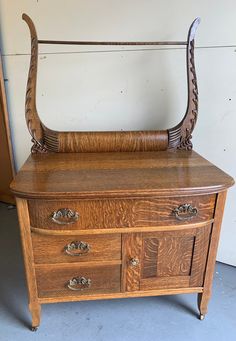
(53, 282)
(203, 298)
(80, 175)
(166, 259)
(107, 296)
(51, 249)
(174, 227)
(118, 141)
(102, 214)
(131, 245)
(23, 216)
(102, 183)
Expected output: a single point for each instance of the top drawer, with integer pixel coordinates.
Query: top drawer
(118, 213)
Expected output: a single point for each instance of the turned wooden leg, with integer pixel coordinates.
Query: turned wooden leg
(203, 299)
(35, 309)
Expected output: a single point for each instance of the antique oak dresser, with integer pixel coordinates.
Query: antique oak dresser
(117, 214)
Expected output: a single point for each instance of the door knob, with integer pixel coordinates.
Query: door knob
(134, 262)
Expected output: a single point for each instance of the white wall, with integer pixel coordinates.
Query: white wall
(83, 88)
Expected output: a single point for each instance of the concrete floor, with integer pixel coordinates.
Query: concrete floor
(147, 319)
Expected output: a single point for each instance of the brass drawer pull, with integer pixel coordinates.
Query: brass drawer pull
(134, 262)
(185, 212)
(65, 216)
(79, 283)
(73, 246)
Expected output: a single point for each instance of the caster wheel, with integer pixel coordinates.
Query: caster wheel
(201, 317)
(34, 329)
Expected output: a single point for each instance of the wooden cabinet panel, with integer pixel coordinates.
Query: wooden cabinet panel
(75, 248)
(53, 281)
(92, 214)
(166, 256)
(165, 259)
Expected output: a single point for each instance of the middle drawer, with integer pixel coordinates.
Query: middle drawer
(75, 248)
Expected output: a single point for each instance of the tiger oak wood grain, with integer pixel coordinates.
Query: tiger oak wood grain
(164, 282)
(140, 293)
(131, 245)
(53, 283)
(125, 203)
(23, 217)
(150, 252)
(51, 249)
(112, 141)
(201, 247)
(51, 232)
(204, 297)
(166, 259)
(125, 192)
(89, 175)
(102, 214)
(174, 256)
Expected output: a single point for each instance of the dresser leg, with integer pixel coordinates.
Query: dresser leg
(34, 306)
(203, 299)
(35, 309)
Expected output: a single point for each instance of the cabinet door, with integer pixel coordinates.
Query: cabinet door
(166, 259)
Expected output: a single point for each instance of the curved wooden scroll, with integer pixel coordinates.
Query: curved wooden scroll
(45, 139)
(32, 119)
(180, 136)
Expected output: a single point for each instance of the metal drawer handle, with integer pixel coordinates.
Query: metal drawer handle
(73, 246)
(65, 216)
(79, 283)
(185, 212)
(134, 262)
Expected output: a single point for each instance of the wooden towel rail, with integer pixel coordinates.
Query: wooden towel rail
(48, 140)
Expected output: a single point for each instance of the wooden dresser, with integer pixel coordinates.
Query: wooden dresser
(117, 214)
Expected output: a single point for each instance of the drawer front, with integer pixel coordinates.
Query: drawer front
(71, 280)
(77, 248)
(92, 214)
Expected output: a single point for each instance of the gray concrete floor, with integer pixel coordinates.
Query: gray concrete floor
(147, 319)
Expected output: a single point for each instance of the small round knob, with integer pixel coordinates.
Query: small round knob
(134, 262)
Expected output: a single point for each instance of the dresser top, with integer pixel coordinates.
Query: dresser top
(130, 174)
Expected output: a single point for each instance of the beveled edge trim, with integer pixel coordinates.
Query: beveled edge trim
(78, 264)
(131, 194)
(119, 230)
(141, 293)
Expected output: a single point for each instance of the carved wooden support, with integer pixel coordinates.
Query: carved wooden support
(180, 136)
(32, 119)
(45, 139)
